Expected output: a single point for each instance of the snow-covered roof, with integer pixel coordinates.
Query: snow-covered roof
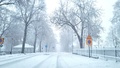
(26, 46)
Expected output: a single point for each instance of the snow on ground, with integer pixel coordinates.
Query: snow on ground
(53, 60)
(76, 61)
(26, 46)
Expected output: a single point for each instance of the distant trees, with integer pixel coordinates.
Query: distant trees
(66, 40)
(116, 23)
(5, 20)
(114, 33)
(79, 15)
(47, 38)
(6, 2)
(28, 10)
(28, 23)
(116, 18)
(42, 33)
(39, 21)
(5, 16)
(13, 35)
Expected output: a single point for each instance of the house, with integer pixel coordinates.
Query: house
(18, 48)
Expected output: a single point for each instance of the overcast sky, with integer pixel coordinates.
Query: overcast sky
(107, 13)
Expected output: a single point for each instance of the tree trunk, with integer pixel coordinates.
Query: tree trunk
(40, 45)
(24, 39)
(35, 43)
(81, 40)
(78, 36)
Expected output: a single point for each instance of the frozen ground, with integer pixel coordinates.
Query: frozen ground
(54, 60)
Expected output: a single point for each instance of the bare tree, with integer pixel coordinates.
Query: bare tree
(37, 26)
(27, 11)
(6, 2)
(66, 39)
(42, 31)
(5, 20)
(116, 27)
(116, 19)
(84, 16)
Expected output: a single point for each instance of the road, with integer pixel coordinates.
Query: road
(54, 60)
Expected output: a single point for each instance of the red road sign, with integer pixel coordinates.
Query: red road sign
(89, 40)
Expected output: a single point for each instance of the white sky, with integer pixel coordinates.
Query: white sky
(107, 13)
(107, 10)
(51, 5)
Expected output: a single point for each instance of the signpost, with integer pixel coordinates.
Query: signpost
(46, 47)
(89, 43)
(1, 41)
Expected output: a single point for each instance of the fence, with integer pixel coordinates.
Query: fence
(107, 53)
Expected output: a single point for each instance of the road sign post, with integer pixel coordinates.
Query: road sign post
(46, 47)
(1, 42)
(89, 51)
(89, 43)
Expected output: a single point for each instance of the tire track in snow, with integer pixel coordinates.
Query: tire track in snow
(61, 62)
(11, 58)
(16, 60)
(42, 62)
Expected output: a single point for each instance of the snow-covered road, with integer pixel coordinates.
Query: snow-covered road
(53, 60)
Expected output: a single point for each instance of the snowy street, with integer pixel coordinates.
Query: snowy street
(60, 34)
(54, 60)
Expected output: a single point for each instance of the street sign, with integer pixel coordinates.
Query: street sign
(1, 40)
(89, 40)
